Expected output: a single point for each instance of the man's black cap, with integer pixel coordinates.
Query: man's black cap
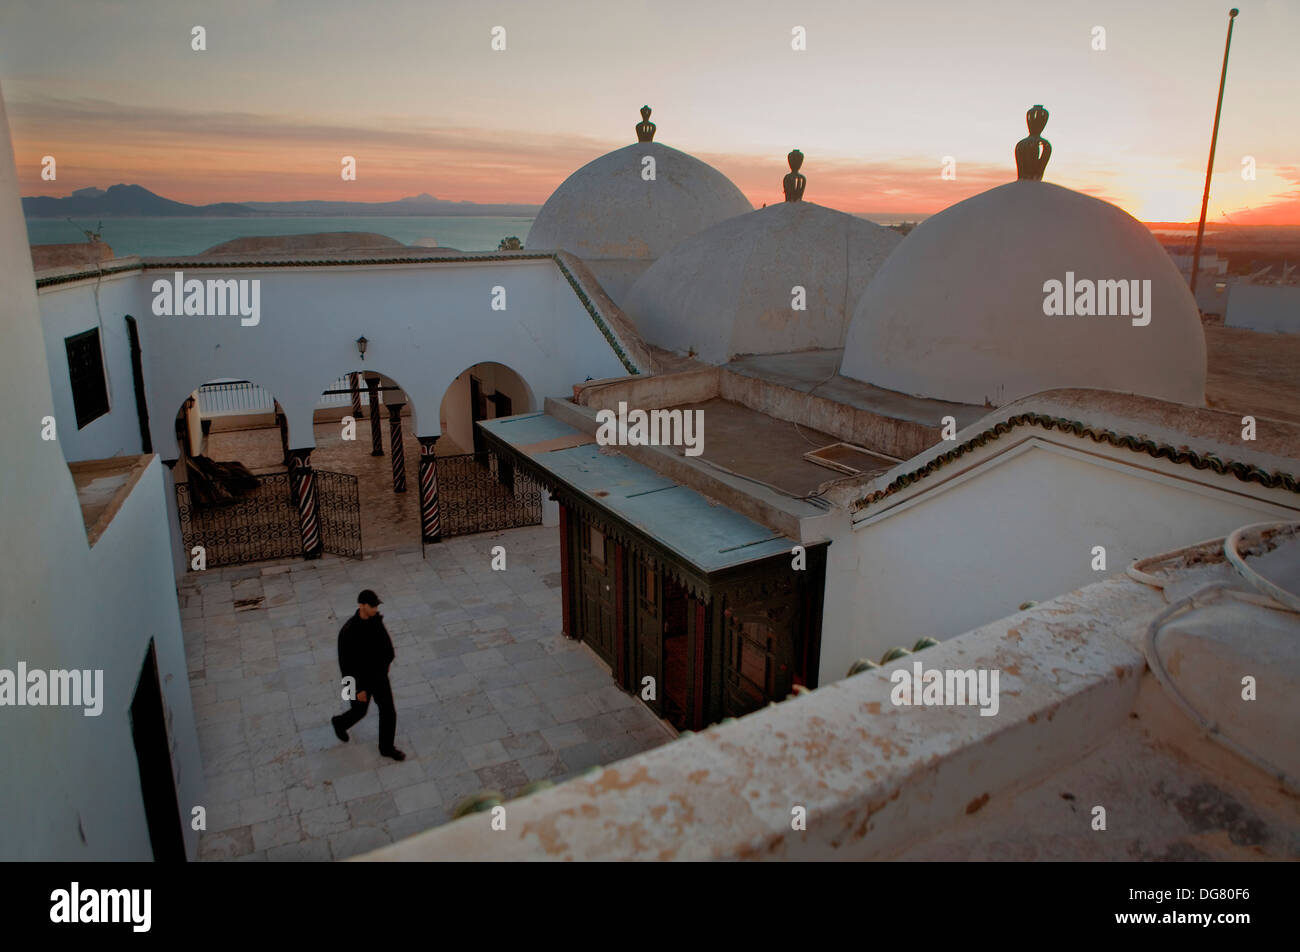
(367, 597)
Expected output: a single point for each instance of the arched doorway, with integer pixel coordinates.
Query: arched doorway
(479, 490)
(235, 499)
(365, 425)
(485, 391)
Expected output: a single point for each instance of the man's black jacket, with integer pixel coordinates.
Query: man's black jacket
(365, 650)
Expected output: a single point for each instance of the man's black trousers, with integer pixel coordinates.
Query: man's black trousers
(382, 694)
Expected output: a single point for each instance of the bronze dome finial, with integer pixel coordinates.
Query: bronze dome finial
(1033, 151)
(794, 183)
(645, 129)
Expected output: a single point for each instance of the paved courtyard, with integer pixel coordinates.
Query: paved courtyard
(489, 694)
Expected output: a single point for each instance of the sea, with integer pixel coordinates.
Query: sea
(191, 236)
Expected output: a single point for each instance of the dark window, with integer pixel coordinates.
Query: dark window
(648, 581)
(86, 372)
(596, 545)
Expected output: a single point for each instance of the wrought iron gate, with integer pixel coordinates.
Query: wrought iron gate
(339, 506)
(263, 524)
(481, 492)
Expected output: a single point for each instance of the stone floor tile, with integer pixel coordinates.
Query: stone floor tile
(417, 797)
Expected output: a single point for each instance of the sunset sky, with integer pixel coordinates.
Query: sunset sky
(882, 93)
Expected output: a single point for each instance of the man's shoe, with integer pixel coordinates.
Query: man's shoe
(339, 732)
(394, 753)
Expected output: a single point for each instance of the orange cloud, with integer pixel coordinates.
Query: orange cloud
(229, 156)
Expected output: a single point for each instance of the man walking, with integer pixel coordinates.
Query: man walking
(365, 652)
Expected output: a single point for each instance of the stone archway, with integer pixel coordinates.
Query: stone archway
(485, 391)
(365, 425)
(480, 491)
(235, 500)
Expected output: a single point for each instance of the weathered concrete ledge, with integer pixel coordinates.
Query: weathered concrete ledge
(874, 777)
(783, 385)
(103, 485)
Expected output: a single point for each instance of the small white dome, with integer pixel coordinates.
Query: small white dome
(730, 290)
(958, 311)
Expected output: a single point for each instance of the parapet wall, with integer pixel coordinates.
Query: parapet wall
(842, 772)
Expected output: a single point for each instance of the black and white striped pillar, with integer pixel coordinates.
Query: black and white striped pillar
(356, 395)
(430, 530)
(399, 453)
(376, 427)
(303, 481)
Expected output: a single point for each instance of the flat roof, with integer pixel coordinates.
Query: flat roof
(816, 373)
(704, 533)
(769, 450)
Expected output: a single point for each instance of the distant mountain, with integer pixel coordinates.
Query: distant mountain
(422, 204)
(135, 201)
(125, 201)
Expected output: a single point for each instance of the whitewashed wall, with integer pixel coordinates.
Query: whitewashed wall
(1019, 527)
(70, 787)
(71, 309)
(1262, 307)
(425, 325)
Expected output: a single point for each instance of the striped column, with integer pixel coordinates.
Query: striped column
(399, 453)
(356, 396)
(283, 423)
(376, 428)
(303, 481)
(430, 530)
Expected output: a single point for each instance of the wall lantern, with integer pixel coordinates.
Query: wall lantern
(361, 347)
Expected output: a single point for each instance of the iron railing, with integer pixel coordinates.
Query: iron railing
(264, 523)
(481, 492)
(244, 396)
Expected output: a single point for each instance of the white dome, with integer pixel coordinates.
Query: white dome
(958, 311)
(728, 290)
(607, 210)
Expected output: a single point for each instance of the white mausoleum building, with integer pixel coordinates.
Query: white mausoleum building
(906, 445)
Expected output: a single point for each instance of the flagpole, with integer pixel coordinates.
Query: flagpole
(1214, 141)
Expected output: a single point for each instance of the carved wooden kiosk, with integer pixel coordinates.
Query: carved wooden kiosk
(697, 610)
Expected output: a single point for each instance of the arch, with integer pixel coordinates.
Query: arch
(334, 405)
(176, 393)
(223, 405)
(482, 391)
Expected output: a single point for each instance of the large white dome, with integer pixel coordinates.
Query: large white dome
(607, 210)
(958, 311)
(729, 290)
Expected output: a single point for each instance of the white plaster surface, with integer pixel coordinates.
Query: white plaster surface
(71, 786)
(1262, 307)
(606, 209)
(957, 312)
(729, 290)
(71, 309)
(425, 325)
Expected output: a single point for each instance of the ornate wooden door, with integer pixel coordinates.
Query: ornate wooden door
(647, 634)
(759, 642)
(596, 596)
